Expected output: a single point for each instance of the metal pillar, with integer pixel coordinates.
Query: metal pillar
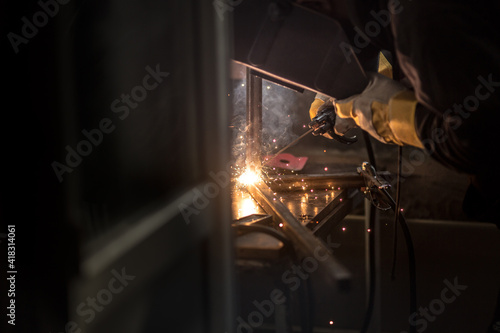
(254, 120)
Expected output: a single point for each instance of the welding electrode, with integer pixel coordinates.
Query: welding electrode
(288, 146)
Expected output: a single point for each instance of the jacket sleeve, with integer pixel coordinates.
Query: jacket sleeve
(450, 53)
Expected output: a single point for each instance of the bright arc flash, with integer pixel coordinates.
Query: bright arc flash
(249, 177)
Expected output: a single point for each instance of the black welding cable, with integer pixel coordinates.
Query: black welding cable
(399, 219)
(397, 214)
(371, 244)
(411, 259)
(372, 270)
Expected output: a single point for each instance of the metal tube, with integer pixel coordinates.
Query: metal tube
(306, 243)
(254, 120)
(336, 211)
(319, 181)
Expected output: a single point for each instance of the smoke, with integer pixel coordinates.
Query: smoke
(277, 118)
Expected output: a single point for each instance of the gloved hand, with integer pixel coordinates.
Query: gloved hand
(324, 124)
(320, 102)
(385, 109)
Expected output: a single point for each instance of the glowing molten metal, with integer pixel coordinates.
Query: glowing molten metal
(249, 177)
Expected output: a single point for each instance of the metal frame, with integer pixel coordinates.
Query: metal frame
(306, 242)
(254, 119)
(320, 181)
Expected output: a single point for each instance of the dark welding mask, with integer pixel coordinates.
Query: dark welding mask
(299, 44)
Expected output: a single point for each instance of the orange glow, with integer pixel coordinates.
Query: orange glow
(249, 177)
(247, 207)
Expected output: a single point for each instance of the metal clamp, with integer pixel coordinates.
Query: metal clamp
(374, 186)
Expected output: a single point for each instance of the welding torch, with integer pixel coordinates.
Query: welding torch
(324, 122)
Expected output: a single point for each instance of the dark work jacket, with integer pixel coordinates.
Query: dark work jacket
(449, 51)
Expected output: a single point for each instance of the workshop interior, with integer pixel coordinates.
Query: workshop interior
(178, 184)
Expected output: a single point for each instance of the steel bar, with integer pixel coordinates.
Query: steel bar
(254, 120)
(318, 181)
(307, 244)
(339, 198)
(336, 211)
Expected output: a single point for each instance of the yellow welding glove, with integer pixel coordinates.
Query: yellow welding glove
(319, 100)
(384, 68)
(385, 109)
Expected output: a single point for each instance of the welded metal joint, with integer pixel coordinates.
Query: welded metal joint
(307, 244)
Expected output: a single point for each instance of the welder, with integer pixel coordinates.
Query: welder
(443, 95)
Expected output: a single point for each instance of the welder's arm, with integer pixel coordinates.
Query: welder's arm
(385, 109)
